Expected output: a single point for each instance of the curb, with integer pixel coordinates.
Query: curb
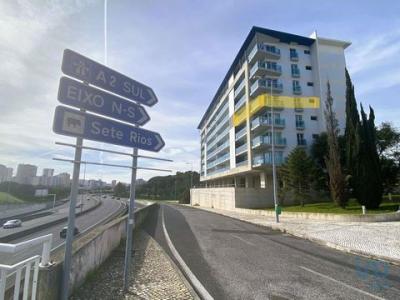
(176, 268)
(315, 240)
(20, 234)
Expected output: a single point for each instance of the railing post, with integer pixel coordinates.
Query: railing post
(46, 253)
(3, 277)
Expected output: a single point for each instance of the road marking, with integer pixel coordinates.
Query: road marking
(243, 240)
(192, 278)
(341, 283)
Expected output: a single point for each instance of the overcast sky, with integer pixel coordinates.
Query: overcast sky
(182, 49)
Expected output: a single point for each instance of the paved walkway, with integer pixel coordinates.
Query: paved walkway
(378, 240)
(152, 275)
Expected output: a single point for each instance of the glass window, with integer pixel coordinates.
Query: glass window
(306, 51)
(308, 68)
(314, 118)
(310, 84)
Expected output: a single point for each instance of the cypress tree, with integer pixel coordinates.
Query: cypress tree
(352, 121)
(367, 172)
(337, 180)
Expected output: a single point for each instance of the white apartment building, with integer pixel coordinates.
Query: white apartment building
(26, 174)
(236, 150)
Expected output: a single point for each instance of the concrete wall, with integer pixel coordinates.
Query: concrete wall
(230, 198)
(89, 252)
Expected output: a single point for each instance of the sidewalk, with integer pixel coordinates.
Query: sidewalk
(152, 275)
(379, 240)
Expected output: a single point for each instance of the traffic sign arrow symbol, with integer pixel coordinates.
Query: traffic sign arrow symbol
(90, 71)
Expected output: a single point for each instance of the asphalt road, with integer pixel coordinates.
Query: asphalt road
(108, 207)
(237, 260)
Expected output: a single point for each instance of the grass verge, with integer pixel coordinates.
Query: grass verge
(6, 198)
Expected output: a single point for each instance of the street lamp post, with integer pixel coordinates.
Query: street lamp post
(273, 156)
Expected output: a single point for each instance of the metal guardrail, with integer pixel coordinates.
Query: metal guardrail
(6, 271)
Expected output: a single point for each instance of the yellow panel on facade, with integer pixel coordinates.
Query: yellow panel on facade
(265, 100)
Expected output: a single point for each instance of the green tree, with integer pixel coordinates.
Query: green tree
(367, 172)
(337, 180)
(120, 190)
(352, 123)
(388, 146)
(298, 175)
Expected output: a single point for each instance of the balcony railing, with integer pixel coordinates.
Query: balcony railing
(218, 161)
(240, 133)
(265, 121)
(296, 73)
(218, 149)
(294, 56)
(262, 85)
(300, 124)
(297, 90)
(267, 141)
(240, 103)
(302, 142)
(266, 159)
(242, 163)
(241, 149)
(264, 51)
(220, 124)
(219, 170)
(262, 67)
(218, 138)
(239, 88)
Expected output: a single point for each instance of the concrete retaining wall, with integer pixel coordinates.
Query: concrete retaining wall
(89, 252)
(231, 197)
(388, 217)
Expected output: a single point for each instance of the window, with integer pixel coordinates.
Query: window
(308, 68)
(315, 136)
(306, 51)
(300, 139)
(314, 118)
(310, 84)
(296, 84)
(299, 118)
(295, 70)
(293, 54)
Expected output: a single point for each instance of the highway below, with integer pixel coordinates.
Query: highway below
(84, 222)
(232, 259)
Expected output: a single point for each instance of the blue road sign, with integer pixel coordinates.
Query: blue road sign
(74, 123)
(85, 69)
(77, 94)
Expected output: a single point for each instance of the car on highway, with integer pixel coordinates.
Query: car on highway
(12, 224)
(63, 232)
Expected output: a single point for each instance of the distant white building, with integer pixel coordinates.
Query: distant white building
(62, 179)
(235, 130)
(3, 173)
(26, 174)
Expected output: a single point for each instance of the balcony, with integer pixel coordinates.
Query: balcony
(294, 56)
(218, 161)
(301, 142)
(218, 170)
(242, 149)
(218, 127)
(263, 141)
(262, 122)
(240, 134)
(220, 148)
(296, 73)
(262, 68)
(300, 124)
(297, 90)
(263, 86)
(266, 159)
(240, 103)
(240, 88)
(263, 51)
(242, 163)
(218, 138)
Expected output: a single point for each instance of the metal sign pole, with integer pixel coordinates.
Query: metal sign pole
(130, 222)
(71, 220)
